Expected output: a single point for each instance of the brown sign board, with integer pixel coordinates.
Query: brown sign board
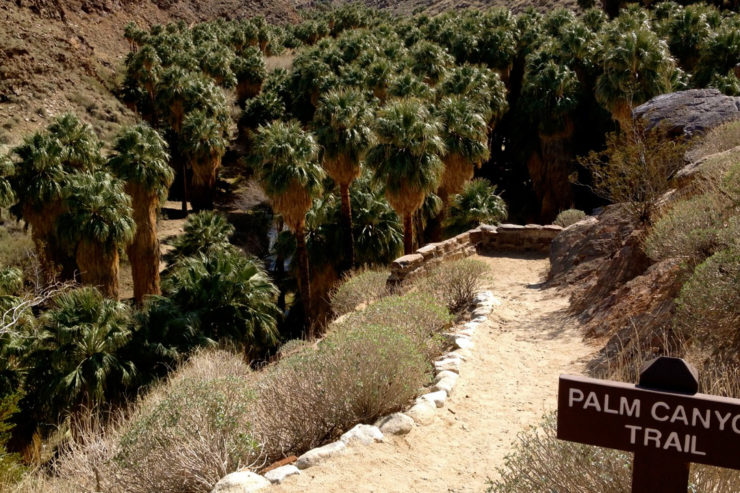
(676, 427)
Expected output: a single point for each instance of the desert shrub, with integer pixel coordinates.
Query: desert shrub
(707, 307)
(690, 230)
(717, 140)
(541, 462)
(11, 468)
(418, 315)
(477, 203)
(354, 376)
(358, 288)
(454, 284)
(184, 435)
(635, 168)
(568, 217)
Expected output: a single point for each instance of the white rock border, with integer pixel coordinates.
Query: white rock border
(447, 373)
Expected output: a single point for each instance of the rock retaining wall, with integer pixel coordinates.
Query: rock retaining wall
(484, 239)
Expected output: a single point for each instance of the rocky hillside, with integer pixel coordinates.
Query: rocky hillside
(62, 55)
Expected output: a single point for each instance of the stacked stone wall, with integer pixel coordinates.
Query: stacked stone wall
(484, 239)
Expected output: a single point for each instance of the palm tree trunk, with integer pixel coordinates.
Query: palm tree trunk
(184, 188)
(408, 234)
(435, 224)
(203, 184)
(348, 236)
(99, 267)
(143, 252)
(304, 283)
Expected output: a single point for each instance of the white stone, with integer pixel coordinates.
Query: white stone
(443, 374)
(483, 296)
(447, 383)
(463, 342)
(278, 474)
(462, 354)
(470, 325)
(481, 312)
(479, 320)
(437, 398)
(422, 412)
(448, 364)
(240, 482)
(362, 435)
(395, 424)
(320, 454)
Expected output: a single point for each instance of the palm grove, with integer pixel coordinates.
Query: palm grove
(365, 147)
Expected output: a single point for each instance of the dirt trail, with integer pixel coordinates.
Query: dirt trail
(508, 384)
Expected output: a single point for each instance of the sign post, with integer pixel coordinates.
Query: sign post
(662, 420)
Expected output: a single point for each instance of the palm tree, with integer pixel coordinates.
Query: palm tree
(38, 183)
(140, 159)
(430, 61)
(204, 232)
(291, 177)
(407, 158)
(143, 71)
(477, 203)
(225, 295)
(465, 134)
(96, 224)
(80, 145)
(343, 129)
(636, 66)
(7, 168)
(203, 145)
(249, 68)
(81, 336)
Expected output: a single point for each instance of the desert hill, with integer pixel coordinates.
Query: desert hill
(62, 55)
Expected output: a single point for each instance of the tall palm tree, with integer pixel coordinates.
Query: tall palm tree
(79, 342)
(291, 177)
(80, 145)
(203, 145)
(407, 158)
(249, 68)
(430, 61)
(343, 130)
(38, 183)
(465, 134)
(140, 159)
(96, 224)
(636, 66)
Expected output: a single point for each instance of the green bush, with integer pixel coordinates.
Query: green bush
(541, 462)
(359, 288)
(568, 217)
(418, 315)
(690, 230)
(454, 284)
(184, 435)
(355, 376)
(708, 307)
(477, 203)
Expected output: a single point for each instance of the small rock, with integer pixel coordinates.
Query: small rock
(396, 424)
(462, 354)
(422, 412)
(278, 474)
(438, 398)
(320, 454)
(362, 435)
(479, 319)
(483, 311)
(447, 383)
(449, 364)
(467, 332)
(471, 325)
(463, 342)
(443, 374)
(240, 482)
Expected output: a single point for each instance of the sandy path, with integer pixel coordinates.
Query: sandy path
(508, 384)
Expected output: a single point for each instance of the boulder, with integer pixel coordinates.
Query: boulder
(689, 112)
(395, 424)
(463, 342)
(320, 454)
(449, 364)
(362, 435)
(277, 475)
(240, 482)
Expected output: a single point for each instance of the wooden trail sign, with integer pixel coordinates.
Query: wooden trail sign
(662, 420)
